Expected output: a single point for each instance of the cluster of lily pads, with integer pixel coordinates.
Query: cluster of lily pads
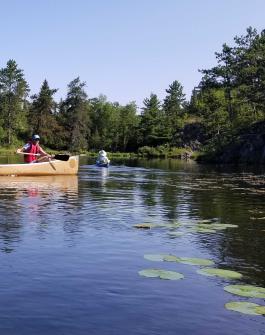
(204, 226)
(241, 290)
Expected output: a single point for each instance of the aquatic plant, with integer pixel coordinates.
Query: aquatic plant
(246, 290)
(162, 274)
(245, 307)
(173, 258)
(220, 273)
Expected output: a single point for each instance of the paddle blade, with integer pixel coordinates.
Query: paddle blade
(62, 157)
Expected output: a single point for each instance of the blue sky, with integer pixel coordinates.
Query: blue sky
(124, 49)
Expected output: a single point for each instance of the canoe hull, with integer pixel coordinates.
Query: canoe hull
(54, 167)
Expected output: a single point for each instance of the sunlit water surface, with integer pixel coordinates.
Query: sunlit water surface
(70, 254)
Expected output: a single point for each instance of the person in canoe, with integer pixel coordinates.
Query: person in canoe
(102, 159)
(33, 152)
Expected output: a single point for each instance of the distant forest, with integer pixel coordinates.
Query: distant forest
(229, 98)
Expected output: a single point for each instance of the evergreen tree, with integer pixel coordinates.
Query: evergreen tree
(128, 123)
(74, 116)
(174, 107)
(13, 92)
(151, 121)
(105, 118)
(42, 115)
(251, 72)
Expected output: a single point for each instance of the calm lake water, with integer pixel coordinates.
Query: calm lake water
(70, 254)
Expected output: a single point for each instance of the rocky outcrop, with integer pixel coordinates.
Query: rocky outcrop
(193, 136)
(249, 148)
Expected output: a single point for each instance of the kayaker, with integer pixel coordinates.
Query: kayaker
(102, 158)
(33, 151)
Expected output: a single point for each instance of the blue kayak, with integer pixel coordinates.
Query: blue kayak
(102, 164)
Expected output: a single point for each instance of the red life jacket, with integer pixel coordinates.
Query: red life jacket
(33, 149)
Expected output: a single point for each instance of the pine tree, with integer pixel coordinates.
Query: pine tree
(13, 92)
(75, 116)
(42, 115)
(151, 121)
(174, 109)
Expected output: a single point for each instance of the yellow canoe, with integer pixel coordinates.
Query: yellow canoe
(53, 167)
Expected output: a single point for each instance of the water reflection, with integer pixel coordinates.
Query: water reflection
(31, 200)
(165, 191)
(74, 242)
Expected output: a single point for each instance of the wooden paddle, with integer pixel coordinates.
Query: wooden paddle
(59, 157)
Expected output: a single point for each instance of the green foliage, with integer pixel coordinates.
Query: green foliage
(13, 92)
(42, 115)
(174, 107)
(231, 94)
(230, 98)
(75, 116)
(152, 121)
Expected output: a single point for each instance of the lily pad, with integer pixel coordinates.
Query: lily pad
(224, 225)
(184, 260)
(196, 261)
(162, 274)
(245, 307)
(209, 226)
(220, 273)
(161, 258)
(260, 309)
(202, 230)
(171, 258)
(216, 226)
(246, 290)
(175, 233)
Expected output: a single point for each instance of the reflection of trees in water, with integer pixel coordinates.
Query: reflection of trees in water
(10, 227)
(32, 202)
(239, 248)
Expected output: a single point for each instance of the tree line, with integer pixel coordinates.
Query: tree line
(80, 123)
(229, 97)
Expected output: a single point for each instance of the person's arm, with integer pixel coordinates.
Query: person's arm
(20, 150)
(44, 153)
(23, 149)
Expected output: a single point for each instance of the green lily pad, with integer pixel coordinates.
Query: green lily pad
(260, 309)
(223, 225)
(229, 225)
(161, 258)
(175, 233)
(154, 258)
(171, 258)
(156, 225)
(196, 261)
(220, 273)
(202, 230)
(184, 260)
(216, 226)
(245, 307)
(246, 290)
(162, 274)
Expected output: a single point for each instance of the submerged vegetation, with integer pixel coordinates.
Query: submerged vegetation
(228, 100)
